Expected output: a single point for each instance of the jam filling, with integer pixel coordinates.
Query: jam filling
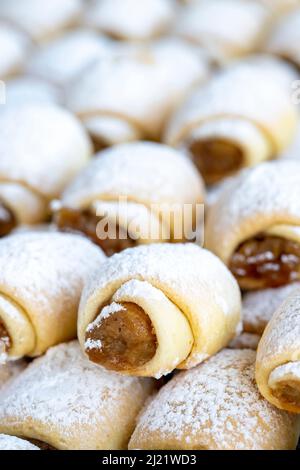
(7, 220)
(5, 341)
(127, 339)
(266, 261)
(84, 222)
(216, 159)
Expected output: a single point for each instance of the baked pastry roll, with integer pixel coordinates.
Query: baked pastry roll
(131, 19)
(159, 77)
(10, 370)
(141, 189)
(80, 47)
(14, 443)
(254, 226)
(13, 50)
(225, 28)
(155, 308)
(73, 404)
(285, 37)
(259, 306)
(278, 357)
(41, 20)
(27, 89)
(215, 406)
(42, 148)
(225, 129)
(41, 280)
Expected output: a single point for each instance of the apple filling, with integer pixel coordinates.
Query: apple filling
(123, 340)
(7, 220)
(84, 222)
(40, 444)
(216, 159)
(288, 392)
(266, 261)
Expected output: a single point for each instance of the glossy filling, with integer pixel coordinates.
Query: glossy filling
(7, 220)
(84, 222)
(266, 261)
(126, 339)
(5, 341)
(216, 159)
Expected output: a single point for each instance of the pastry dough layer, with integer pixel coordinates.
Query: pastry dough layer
(197, 292)
(146, 199)
(203, 23)
(159, 75)
(41, 280)
(215, 406)
(260, 125)
(72, 404)
(278, 357)
(257, 201)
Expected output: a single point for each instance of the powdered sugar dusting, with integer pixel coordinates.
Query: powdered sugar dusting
(92, 344)
(106, 312)
(191, 277)
(152, 173)
(214, 406)
(282, 337)
(9, 371)
(14, 443)
(44, 267)
(41, 19)
(268, 194)
(24, 157)
(131, 19)
(13, 49)
(71, 397)
(259, 306)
